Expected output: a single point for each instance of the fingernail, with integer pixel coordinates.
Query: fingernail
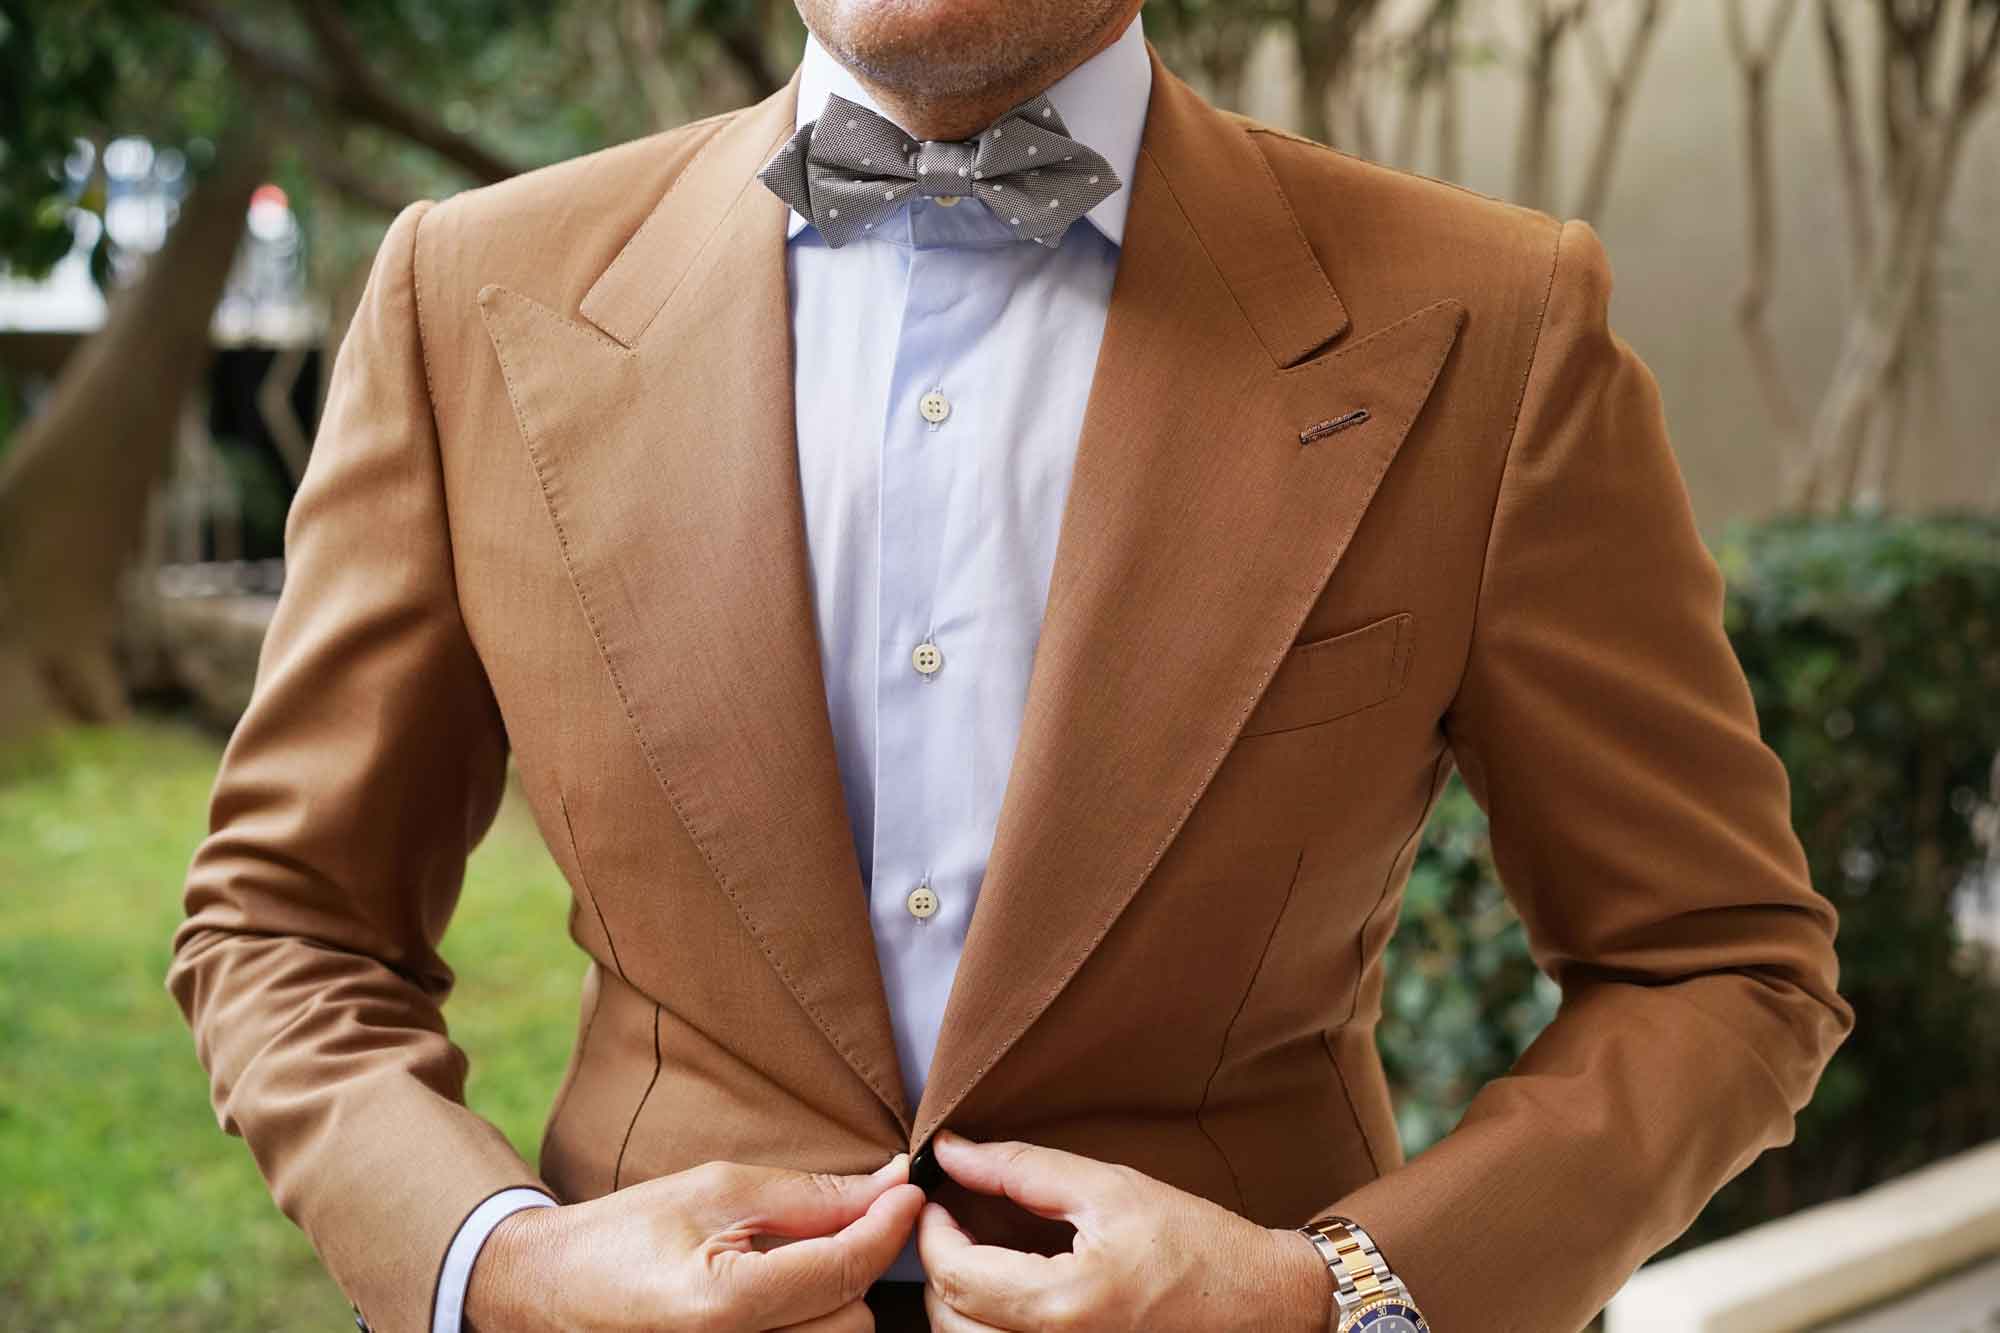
(888, 1168)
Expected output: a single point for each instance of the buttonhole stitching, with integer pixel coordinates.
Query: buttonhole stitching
(1333, 424)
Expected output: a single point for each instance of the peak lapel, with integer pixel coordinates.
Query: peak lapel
(1197, 534)
(663, 439)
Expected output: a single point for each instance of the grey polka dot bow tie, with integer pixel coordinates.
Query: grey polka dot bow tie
(851, 168)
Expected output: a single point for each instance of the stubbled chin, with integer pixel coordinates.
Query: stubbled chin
(926, 50)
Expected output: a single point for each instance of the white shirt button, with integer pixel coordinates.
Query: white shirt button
(922, 902)
(935, 407)
(927, 658)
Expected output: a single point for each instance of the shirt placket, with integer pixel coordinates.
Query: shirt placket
(926, 658)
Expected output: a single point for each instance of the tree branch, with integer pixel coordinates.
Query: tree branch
(364, 100)
(363, 95)
(746, 49)
(1975, 77)
(1533, 153)
(640, 40)
(1617, 84)
(1853, 168)
(1753, 61)
(261, 63)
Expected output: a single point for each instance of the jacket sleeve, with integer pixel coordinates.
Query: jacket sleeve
(371, 759)
(1642, 829)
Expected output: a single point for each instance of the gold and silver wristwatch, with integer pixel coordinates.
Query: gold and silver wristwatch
(1367, 1296)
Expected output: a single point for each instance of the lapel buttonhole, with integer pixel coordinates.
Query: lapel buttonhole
(1326, 428)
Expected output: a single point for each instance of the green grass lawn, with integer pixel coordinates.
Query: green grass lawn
(122, 1205)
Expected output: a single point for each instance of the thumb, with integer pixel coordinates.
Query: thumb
(1045, 1181)
(803, 1203)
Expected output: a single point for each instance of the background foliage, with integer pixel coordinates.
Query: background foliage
(1872, 646)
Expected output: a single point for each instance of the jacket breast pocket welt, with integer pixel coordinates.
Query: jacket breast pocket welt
(1335, 675)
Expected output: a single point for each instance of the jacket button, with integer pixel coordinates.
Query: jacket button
(925, 1173)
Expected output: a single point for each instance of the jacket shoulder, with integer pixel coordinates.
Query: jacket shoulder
(1392, 240)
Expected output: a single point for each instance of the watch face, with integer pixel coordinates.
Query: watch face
(1391, 1316)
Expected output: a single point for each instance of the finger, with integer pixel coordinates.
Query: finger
(817, 1275)
(789, 1203)
(986, 1282)
(1047, 1181)
(943, 1318)
(854, 1317)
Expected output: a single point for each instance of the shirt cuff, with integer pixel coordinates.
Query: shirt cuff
(456, 1275)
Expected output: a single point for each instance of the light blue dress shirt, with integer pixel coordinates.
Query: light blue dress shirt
(941, 368)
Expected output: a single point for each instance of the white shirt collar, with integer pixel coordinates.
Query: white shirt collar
(1102, 103)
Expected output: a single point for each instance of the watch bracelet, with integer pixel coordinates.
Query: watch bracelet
(1360, 1273)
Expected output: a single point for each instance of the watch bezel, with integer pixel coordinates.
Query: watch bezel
(1352, 1320)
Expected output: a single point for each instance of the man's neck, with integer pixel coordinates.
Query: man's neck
(963, 117)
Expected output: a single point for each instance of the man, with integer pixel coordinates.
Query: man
(983, 562)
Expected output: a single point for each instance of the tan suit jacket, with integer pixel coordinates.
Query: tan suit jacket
(554, 510)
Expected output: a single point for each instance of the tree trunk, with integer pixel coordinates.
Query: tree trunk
(1619, 82)
(1315, 78)
(75, 486)
(1326, 34)
(1450, 142)
(1533, 151)
(1754, 58)
(1879, 328)
(1853, 168)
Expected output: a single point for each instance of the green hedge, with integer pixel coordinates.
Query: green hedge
(1872, 645)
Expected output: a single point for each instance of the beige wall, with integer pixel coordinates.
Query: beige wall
(1675, 231)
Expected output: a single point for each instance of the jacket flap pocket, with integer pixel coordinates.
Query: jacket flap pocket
(1336, 675)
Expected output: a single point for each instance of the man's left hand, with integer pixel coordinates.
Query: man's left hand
(1145, 1255)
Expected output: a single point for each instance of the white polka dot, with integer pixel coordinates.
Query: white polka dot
(850, 124)
(868, 226)
(1048, 111)
(1031, 150)
(1014, 222)
(1093, 180)
(996, 189)
(833, 212)
(998, 133)
(1068, 156)
(1054, 202)
(888, 194)
(867, 161)
(978, 175)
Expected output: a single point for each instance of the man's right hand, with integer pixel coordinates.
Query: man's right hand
(695, 1251)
